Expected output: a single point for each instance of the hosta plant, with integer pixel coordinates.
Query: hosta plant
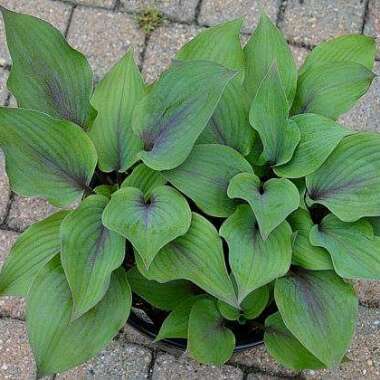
(222, 199)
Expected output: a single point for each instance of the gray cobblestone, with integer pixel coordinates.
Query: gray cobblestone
(163, 45)
(117, 361)
(167, 367)
(365, 115)
(216, 11)
(372, 26)
(56, 13)
(368, 292)
(183, 10)
(13, 307)
(312, 21)
(99, 3)
(26, 211)
(16, 360)
(104, 37)
(3, 86)
(4, 189)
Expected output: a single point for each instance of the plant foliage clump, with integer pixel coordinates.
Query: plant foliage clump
(224, 193)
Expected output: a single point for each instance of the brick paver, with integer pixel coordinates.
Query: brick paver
(104, 37)
(216, 11)
(164, 43)
(55, 12)
(372, 26)
(312, 21)
(104, 34)
(182, 10)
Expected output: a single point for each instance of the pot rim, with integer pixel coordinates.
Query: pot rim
(150, 330)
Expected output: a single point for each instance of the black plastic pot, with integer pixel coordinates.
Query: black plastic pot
(243, 342)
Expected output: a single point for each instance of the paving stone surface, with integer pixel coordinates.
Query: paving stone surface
(163, 45)
(215, 11)
(98, 3)
(16, 360)
(104, 37)
(182, 10)
(364, 354)
(13, 307)
(312, 21)
(3, 86)
(56, 13)
(372, 26)
(168, 367)
(118, 361)
(365, 115)
(26, 211)
(4, 189)
(368, 292)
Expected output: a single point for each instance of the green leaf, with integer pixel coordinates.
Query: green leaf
(375, 223)
(255, 303)
(319, 137)
(58, 343)
(32, 250)
(176, 324)
(208, 340)
(304, 253)
(267, 46)
(48, 76)
(148, 224)
(205, 175)
(46, 157)
(254, 261)
(219, 44)
(198, 257)
(90, 253)
(170, 118)
(163, 296)
(145, 179)
(320, 310)
(355, 254)
(228, 312)
(348, 183)
(229, 124)
(350, 48)
(285, 348)
(106, 190)
(115, 98)
(269, 117)
(271, 201)
(331, 89)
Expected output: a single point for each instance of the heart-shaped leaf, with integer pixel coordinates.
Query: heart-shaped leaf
(271, 201)
(115, 98)
(176, 324)
(350, 48)
(285, 348)
(220, 44)
(48, 76)
(59, 344)
(32, 250)
(319, 137)
(305, 254)
(145, 179)
(318, 306)
(353, 252)
(170, 118)
(46, 157)
(229, 124)
(269, 117)
(331, 89)
(165, 295)
(198, 257)
(148, 224)
(268, 45)
(205, 175)
(90, 253)
(255, 262)
(209, 341)
(348, 183)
